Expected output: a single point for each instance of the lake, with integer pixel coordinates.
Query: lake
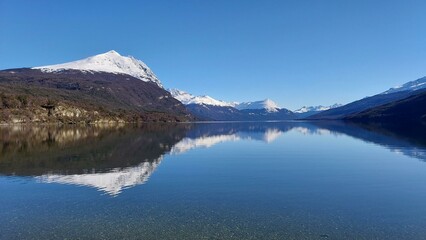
(252, 180)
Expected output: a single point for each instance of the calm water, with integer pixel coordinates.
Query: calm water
(283, 180)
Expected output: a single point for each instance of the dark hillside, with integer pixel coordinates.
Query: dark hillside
(29, 95)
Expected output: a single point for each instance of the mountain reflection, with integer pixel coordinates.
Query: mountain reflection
(407, 140)
(108, 158)
(205, 141)
(113, 158)
(112, 182)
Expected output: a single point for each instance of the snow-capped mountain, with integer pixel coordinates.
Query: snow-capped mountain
(409, 86)
(111, 62)
(187, 98)
(267, 104)
(318, 108)
(208, 108)
(104, 87)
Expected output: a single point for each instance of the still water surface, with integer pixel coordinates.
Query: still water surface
(273, 180)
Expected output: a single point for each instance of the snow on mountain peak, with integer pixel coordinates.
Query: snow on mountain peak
(409, 86)
(112, 52)
(187, 98)
(318, 108)
(111, 62)
(267, 104)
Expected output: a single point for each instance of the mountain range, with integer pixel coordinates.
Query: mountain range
(307, 111)
(208, 108)
(383, 105)
(110, 87)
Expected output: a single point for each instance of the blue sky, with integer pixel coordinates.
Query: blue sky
(294, 52)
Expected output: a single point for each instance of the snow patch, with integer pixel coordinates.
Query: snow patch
(409, 86)
(318, 108)
(111, 62)
(267, 104)
(187, 98)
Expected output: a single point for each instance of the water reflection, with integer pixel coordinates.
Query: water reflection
(208, 135)
(113, 158)
(407, 140)
(111, 182)
(107, 158)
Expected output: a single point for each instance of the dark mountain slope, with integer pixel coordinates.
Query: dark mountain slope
(408, 110)
(363, 104)
(214, 113)
(220, 113)
(31, 95)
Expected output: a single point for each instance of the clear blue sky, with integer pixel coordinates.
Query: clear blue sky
(295, 52)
